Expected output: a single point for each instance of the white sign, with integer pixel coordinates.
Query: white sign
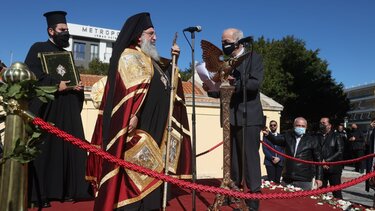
(93, 32)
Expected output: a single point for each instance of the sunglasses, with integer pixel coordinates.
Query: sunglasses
(272, 125)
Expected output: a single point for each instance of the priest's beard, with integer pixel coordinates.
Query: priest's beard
(149, 49)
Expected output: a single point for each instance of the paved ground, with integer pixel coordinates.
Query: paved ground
(357, 193)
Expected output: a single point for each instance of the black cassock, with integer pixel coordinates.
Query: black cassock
(58, 173)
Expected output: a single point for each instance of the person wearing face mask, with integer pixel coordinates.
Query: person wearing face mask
(254, 120)
(303, 146)
(357, 144)
(332, 150)
(273, 161)
(58, 173)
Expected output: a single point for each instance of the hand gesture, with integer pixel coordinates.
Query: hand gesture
(325, 166)
(231, 80)
(133, 123)
(266, 131)
(275, 160)
(175, 51)
(79, 86)
(318, 183)
(63, 86)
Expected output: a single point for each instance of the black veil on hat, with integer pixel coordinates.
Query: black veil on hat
(129, 34)
(55, 17)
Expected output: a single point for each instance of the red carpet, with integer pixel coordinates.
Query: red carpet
(183, 201)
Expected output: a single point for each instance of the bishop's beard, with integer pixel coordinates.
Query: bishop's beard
(149, 48)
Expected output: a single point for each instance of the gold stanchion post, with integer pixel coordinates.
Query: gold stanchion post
(13, 175)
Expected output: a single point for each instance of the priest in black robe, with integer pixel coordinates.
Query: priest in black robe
(58, 173)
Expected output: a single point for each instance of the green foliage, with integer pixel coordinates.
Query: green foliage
(96, 67)
(25, 150)
(187, 73)
(26, 90)
(24, 153)
(301, 81)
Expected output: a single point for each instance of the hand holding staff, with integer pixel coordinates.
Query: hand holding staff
(175, 53)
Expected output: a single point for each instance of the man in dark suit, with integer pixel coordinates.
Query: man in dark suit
(252, 124)
(273, 161)
(303, 146)
(357, 143)
(332, 150)
(370, 139)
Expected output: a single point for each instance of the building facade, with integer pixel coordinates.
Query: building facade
(362, 99)
(209, 133)
(90, 42)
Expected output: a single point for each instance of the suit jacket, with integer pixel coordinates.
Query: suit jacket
(308, 149)
(253, 64)
(359, 143)
(268, 154)
(370, 150)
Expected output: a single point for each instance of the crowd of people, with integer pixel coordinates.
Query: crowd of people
(132, 125)
(324, 145)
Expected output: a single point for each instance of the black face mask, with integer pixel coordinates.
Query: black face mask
(228, 48)
(61, 39)
(322, 128)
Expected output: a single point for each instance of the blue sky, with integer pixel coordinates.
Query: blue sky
(343, 30)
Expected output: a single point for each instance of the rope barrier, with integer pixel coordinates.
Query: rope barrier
(209, 150)
(341, 162)
(185, 184)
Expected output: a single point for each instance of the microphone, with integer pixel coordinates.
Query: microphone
(193, 29)
(248, 39)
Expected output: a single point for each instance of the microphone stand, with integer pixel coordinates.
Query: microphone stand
(193, 121)
(245, 77)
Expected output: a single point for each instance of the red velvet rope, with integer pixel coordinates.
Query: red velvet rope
(209, 150)
(341, 162)
(185, 184)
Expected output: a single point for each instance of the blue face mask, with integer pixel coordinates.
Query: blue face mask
(299, 131)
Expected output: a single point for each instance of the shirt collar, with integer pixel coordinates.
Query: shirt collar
(240, 53)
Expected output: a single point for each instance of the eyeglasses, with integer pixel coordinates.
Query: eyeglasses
(272, 125)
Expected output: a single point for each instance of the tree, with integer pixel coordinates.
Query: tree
(187, 73)
(298, 79)
(96, 67)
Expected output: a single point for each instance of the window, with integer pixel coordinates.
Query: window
(79, 51)
(94, 52)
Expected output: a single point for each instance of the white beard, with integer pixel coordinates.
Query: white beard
(149, 48)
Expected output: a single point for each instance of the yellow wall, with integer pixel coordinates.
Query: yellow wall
(208, 134)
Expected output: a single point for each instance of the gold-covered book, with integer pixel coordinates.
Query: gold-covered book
(60, 65)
